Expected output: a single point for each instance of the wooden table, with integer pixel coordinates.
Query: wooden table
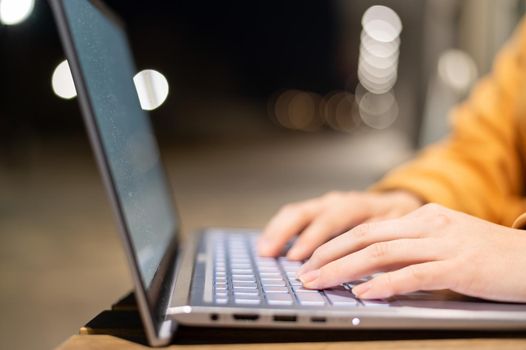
(109, 342)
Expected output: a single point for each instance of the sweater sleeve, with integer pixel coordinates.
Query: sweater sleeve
(478, 168)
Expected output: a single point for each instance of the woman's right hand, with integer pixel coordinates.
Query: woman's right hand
(318, 220)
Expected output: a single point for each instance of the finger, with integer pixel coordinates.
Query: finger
(342, 212)
(323, 228)
(362, 236)
(380, 256)
(395, 214)
(288, 222)
(433, 275)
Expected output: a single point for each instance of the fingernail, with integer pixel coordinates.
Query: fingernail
(309, 277)
(361, 290)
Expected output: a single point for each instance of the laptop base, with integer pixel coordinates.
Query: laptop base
(123, 321)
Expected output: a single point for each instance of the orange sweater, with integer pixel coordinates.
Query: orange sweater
(480, 168)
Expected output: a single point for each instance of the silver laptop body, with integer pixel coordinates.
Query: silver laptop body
(214, 278)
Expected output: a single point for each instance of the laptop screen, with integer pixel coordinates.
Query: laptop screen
(126, 138)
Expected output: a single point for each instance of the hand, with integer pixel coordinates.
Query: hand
(320, 219)
(432, 248)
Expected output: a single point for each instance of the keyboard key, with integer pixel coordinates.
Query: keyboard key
(269, 274)
(221, 285)
(221, 294)
(245, 287)
(221, 300)
(268, 268)
(340, 297)
(273, 282)
(275, 289)
(243, 278)
(240, 293)
(243, 275)
(244, 284)
(242, 271)
(310, 299)
(272, 278)
(247, 299)
(279, 299)
(291, 264)
(234, 261)
(266, 264)
(241, 249)
(300, 289)
(291, 269)
(241, 266)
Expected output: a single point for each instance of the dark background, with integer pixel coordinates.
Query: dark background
(214, 55)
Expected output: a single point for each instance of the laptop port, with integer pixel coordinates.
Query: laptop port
(214, 317)
(318, 319)
(245, 317)
(285, 318)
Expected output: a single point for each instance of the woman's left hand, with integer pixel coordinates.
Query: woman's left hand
(432, 248)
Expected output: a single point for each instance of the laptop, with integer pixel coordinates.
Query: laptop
(214, 277)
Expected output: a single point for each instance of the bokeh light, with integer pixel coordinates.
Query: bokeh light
(298, 110)
(337, 109)
(15, 11)
(62, 81)
(379, 49)
(381, 23)
(152, 88)
(457, 70)
(376, 104)
(378, 111)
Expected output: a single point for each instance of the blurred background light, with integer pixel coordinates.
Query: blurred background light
(378, 111)
(62, 81)
(337, 111)
(389, 63)
(279, 107)
(15, 11)
(344, 117)
(152, 88)
(381, 23)
(377, 106)
(298, 110)
(457, 70)
(378, 48)
(304, 111)
(329, 105)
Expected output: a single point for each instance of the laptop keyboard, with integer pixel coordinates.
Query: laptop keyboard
(242, 277)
